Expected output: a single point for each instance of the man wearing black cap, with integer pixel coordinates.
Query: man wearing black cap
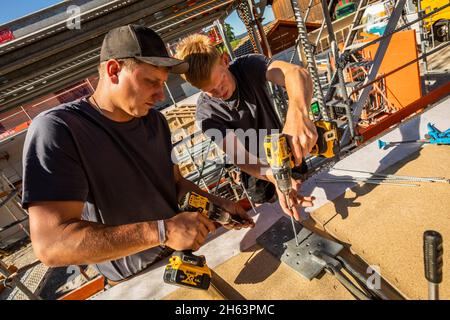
(98, 180)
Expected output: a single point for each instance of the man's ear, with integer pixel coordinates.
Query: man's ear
(112, 70)
(225, 59)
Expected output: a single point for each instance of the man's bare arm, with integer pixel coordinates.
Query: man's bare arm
(295, 79)
(60, 237)
(299, 128)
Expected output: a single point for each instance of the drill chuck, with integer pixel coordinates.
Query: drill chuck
(283, 178)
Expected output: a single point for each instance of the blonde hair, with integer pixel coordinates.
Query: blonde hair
(201, 54)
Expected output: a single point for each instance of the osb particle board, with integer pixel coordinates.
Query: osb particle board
(256, 274)
(385, 224)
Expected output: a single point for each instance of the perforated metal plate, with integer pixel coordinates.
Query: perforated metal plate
(279, 241)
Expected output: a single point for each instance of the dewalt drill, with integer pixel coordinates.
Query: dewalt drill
(281, 160)
(185, 268)
(197, 203)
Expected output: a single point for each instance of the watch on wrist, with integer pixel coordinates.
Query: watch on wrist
(162, 233)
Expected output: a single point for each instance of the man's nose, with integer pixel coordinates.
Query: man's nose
(160, 95)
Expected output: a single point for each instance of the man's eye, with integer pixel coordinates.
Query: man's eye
(152, 82)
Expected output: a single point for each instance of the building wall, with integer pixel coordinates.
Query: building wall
(282, 9)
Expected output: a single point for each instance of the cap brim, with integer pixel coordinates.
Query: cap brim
(174, 65)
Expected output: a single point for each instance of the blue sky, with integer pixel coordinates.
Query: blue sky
(21, 8)
(238, 26)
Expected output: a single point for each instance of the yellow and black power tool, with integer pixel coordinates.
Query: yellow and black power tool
(281, 160)
(197, 203)
(185, 268)
(326, 139)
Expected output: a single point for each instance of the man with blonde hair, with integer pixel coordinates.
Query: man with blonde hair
(235, 96)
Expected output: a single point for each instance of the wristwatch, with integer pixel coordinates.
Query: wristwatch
(162, 233)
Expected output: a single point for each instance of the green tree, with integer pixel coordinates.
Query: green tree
(229, 32)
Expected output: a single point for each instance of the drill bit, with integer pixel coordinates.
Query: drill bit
(248, 197)
(288, 202)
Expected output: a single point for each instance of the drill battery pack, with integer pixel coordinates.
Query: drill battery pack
(187, 269)
(327, 136)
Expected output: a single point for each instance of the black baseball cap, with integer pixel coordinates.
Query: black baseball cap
(141, 43)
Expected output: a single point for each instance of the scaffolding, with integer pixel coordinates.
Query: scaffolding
(352, 81)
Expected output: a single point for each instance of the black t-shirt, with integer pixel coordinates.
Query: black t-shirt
(122, 171)
(254, 110)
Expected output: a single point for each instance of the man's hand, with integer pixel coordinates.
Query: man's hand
(301, 133)
(235, 209)
(188, 230)
(297, 201)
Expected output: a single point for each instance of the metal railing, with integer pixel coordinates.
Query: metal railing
(17, 121)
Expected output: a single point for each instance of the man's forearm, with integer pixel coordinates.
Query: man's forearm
(299, 89)
(83, 242)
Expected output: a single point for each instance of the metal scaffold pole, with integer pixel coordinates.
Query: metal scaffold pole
(245, 15)
(170, 94)
(384, 43)
(220, 27)
(260, 27)
(338, 66)
(423, 46)
(311, 64)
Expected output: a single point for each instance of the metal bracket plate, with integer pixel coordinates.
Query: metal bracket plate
(279, 241)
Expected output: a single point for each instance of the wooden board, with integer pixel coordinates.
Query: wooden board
(385, 224)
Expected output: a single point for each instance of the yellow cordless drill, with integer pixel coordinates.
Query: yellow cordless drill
(281, 160)
(185, 268)
(197, 203)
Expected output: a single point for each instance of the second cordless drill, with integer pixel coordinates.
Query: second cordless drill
(281, 162)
